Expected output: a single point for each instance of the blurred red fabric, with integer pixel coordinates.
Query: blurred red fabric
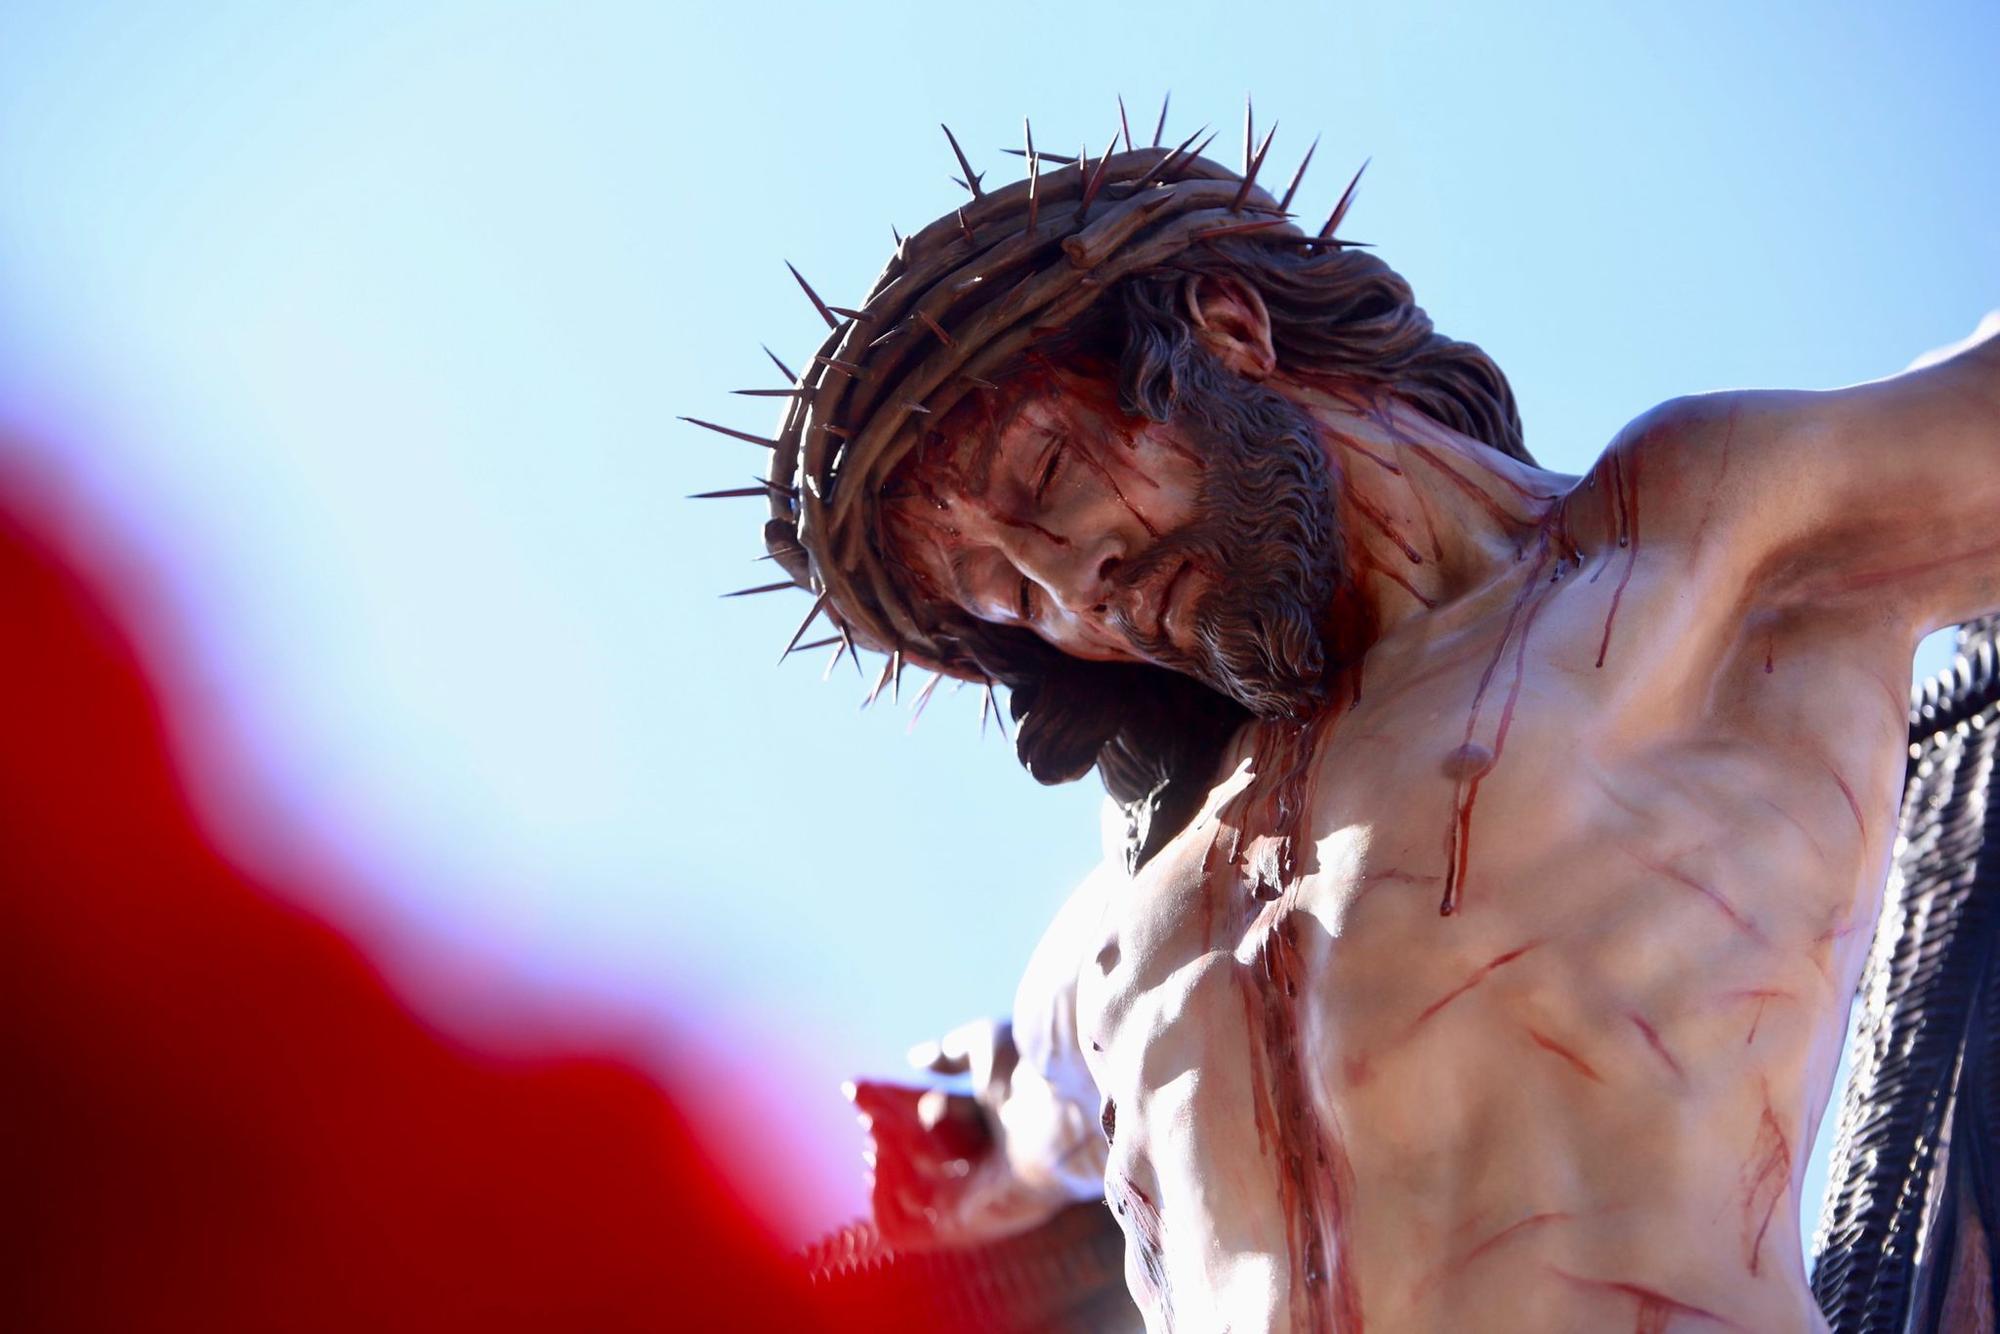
(215, 1115)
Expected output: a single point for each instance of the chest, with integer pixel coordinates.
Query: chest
(1501, 840)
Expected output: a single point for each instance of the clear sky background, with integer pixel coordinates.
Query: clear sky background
(364, 329)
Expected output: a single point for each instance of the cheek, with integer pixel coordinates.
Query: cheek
(1166, 476)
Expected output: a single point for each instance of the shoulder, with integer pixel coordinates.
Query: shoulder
(1720, 478)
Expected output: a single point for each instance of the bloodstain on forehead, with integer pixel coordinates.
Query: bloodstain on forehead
(963, 443)
(1077, 396)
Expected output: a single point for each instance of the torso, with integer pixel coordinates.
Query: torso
(1584, 1099)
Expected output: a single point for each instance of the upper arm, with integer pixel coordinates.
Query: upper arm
(1050, 1115)
(1883, 495)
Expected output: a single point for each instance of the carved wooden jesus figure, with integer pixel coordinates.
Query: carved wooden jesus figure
(1506, 843)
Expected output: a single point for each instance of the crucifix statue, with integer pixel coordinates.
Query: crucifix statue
(1500, 848)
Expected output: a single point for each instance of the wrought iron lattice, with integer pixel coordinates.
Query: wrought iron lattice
(1913, 1185)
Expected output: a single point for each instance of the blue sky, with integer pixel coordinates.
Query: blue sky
(365, 327)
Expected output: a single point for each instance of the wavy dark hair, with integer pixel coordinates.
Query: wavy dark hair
(1155, 736)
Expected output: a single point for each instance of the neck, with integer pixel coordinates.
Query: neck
(1427, 515)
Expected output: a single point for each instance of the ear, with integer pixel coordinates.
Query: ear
(1233, 323)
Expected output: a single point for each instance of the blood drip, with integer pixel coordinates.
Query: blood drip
(1315, 1179)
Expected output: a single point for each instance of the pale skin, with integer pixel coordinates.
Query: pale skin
(1644, 731)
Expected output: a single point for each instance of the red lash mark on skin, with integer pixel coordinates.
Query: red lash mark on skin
(1458, 835)
(1797, 824)
(1430, 522)
(1390, 873)
(1467, 485)
(1479, 974)
(1620, 802)
(1090, 459)
(1655, 1307)
(1549, 1044)
(1652, 1036)
(1028, 525)
(1756, 1018)
(1714, 490)
(1728, 909)
(1382, 525)
(1899, 700)
(1873, 579)
(1767, 1174)
(1451, 1268)
(1628, 513)
(1395, 576)
(1763, 996)
(1357, 447)
(1860, 824)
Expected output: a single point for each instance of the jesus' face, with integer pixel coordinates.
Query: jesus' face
(1203, 544)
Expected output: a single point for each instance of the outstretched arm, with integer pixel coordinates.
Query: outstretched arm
(1884, 496)
(951, 1169)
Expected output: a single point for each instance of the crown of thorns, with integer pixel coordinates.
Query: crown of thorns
(956, 304)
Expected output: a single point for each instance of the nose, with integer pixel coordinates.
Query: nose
(1078, 572)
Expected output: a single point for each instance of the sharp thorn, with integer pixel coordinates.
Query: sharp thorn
(765, 490)
(1256, 165)
(1285, 204)
(1034, 176)
(936, 328)
(999, 717)
(888, 669)
(923, 698)
(985, 710)
(770, 393)
(761, 588)
(1346, 198)
(811, 644)
(1237, 228)
(1167, 163)
(1060, 159)
(896, 678)
(919, 408)
(1124, 125)
(972, 178)
(896, 236)
(818, 606)
(818, 305)
(847, 368)
(1160, 130)
(848, 312)
(732, 431)
(826, 672)
(1095, 182)
(965, 229)
(1249, 133)
(783, 369)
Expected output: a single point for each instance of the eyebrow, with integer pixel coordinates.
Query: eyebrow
(961, 590)
(981, 469)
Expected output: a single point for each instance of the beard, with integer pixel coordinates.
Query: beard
(1264, 530)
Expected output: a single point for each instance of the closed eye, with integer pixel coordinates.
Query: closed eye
(1025, 599)
(1051, 467)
